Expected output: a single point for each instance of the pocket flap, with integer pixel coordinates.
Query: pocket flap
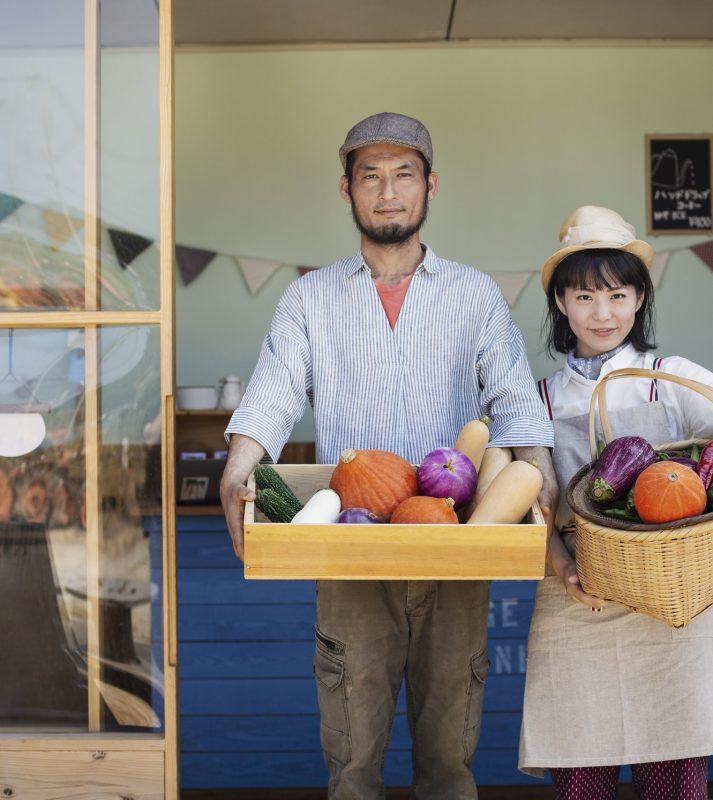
(328, 671)
(479, 664)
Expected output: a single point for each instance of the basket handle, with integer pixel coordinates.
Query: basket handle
(599, 397)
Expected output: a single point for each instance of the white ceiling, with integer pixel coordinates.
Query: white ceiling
(59, 23)
(251, 22)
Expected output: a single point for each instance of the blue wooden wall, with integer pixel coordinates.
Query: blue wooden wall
(248, 705)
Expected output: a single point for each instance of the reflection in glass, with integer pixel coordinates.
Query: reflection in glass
(43, 154)
(44, 553)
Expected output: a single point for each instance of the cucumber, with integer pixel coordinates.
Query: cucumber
(277, 506)
(268, 478)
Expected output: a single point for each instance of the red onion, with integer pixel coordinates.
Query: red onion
(447, 472)
(357, 516)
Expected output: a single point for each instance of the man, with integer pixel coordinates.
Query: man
(396, 349)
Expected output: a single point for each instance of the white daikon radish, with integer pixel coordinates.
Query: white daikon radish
(321, 509)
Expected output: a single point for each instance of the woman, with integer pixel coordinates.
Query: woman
(607, 686)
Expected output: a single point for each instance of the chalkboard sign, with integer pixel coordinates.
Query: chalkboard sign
(678, 184)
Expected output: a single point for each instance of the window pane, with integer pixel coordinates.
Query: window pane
(46, 551)
(44, 149)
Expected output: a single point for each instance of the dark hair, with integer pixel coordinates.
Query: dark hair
(598, 269)
(349, 169)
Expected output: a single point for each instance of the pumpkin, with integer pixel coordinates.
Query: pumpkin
(373, 479)
(423, 510)
(666, 491)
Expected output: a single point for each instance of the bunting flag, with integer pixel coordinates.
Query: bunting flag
(128, 246)
(31, 224)
(511, 284)
(704, 251)
(8, 204)
(60, 227)
(256, 272)
(657, 267)
(191, 261)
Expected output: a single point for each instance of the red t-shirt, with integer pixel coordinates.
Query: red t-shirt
(392, 297)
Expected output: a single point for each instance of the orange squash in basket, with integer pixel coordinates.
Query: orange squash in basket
(373, 479)
(668, 491)
(423, 510)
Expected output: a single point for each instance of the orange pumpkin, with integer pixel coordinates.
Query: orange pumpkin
(667, 491)
(373, 479)
(424, 510)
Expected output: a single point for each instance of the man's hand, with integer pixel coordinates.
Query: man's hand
(243, 455)
(549, 494)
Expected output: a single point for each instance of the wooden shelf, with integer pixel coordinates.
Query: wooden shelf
(210, 412)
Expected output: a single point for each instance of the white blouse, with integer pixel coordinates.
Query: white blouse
(689, 414)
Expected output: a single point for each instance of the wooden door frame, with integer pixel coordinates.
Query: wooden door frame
(96, 742)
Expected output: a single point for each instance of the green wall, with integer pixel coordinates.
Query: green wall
(521, 136)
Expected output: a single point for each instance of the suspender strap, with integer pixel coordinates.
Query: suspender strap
(654, 391)
(545, 395)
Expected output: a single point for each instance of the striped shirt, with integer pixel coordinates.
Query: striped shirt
(454, 355)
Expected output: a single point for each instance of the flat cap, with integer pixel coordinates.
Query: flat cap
(391, 128)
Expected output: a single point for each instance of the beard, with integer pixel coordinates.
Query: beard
(392, 233)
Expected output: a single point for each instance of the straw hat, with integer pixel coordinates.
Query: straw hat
(594, 227)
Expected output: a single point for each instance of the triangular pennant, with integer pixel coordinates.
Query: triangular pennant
(60, 226)
(256, 271)
(191, 261)
(8, 204)
(128, 246)
(657, 267)
(704, 252)
(511, 284)
(305, 270)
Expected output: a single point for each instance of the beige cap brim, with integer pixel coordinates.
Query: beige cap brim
(642, 250)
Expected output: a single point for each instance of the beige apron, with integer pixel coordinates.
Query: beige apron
(613, 687)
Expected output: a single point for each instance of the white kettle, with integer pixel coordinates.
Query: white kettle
(230, 392)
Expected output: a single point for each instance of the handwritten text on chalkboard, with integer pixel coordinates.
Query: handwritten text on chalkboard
(679, 184)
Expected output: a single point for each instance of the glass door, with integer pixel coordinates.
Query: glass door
(88, 692)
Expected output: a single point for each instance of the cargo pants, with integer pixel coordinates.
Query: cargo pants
(369, 635)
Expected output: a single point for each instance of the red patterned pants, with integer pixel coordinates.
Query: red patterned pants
(684, 779)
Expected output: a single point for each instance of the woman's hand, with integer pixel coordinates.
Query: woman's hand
(570, 579)
(566, 570)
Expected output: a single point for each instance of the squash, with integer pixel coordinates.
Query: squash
(321, 509)
(510, 495)
(666, 491)
(495, 459)
(472, 440)
(423, 510)
(373, 479)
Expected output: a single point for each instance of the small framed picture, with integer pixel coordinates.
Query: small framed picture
(193, 488)
(679, 177)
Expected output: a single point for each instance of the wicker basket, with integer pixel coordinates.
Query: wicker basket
(664, 571)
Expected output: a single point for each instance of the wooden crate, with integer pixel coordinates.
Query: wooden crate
(387, 552)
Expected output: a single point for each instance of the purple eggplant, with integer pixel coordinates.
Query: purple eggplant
(618, 467)
(687, 462)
